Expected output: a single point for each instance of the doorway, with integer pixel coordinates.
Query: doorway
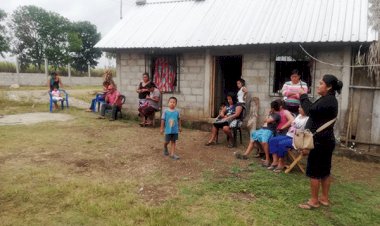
(227, 70)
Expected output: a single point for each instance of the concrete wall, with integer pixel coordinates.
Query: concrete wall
(33, 79)
(196, 72)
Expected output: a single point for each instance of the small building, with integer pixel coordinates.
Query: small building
(196, 50)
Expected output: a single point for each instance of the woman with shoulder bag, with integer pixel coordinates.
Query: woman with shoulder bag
(319, 158)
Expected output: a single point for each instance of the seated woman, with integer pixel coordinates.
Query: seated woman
(279, 145)
(263, 135)
(112, 101)
(228, 116)
(286, 119)
(151, 105)
(99, 97)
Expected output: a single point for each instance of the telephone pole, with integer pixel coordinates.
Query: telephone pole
(121, 9)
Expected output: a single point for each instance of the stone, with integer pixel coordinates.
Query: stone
(14, 86)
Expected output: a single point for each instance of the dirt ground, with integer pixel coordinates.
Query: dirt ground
(131, 158)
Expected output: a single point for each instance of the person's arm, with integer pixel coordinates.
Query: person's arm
(237, 113)
(162, 123)
(60, 82)
(179, 123)
(305, 102)
(284, 90)
(245, 91)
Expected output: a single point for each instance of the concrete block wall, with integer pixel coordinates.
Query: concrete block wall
(38, 79)
(191, 82)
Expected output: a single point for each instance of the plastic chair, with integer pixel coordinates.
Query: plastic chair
(65, 99)
(99, 99)
(235, 130)
(118, 110)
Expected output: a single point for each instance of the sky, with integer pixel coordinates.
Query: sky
(102, 13)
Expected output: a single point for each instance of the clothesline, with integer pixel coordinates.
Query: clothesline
(336, 65)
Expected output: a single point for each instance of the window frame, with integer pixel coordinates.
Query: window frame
(294, 52)
(149, 67)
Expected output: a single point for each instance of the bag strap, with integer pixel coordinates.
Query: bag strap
(324, 126)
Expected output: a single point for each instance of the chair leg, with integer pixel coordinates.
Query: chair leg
(241, 139)
(295, 162)
(234, 137)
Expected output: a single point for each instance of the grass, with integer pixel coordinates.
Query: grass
(91, 172)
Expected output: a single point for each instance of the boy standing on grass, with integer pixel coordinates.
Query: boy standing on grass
(170, 120)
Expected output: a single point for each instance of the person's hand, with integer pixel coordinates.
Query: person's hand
(305, 152)
(302, 91)
(161, 131)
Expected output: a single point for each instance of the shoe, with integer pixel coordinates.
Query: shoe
(230, 145)
(241, 156)
(324, 203)
(308, 206)
(112, 119)
(88, 110)
(166, 152)
(210, 143)
(279, 169)
(265, 164)
(174, 157)
(101, 117)
(272, 167)
(142, 124)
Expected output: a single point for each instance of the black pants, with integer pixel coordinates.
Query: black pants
(109, 106)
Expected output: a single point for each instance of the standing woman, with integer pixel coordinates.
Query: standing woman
(142, 90)
(291, 91)
(319, 159)
(54, 81)
(242, 93)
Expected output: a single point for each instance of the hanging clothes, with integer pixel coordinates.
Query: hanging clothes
(165, 74)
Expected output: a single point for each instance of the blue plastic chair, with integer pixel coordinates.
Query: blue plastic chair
(65, 99)
(99, 99)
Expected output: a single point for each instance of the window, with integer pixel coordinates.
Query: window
(286, 59)
(164, 70)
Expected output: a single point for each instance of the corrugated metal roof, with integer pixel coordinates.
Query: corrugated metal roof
(185, 23)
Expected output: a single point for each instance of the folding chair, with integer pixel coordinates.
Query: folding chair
(296, 158)
(65, 99)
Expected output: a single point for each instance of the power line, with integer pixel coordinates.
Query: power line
(336, 65)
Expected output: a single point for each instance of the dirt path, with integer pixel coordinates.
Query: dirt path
(41, 96)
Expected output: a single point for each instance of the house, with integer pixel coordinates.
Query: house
(197, 49)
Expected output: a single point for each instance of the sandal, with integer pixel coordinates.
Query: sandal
(230, 145)
(210, 143)
(324, 203)
(308, 206)
(272, 167)
(241, 156)
(279, 169)
(265, 164)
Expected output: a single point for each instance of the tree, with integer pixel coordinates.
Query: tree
(39, 33)
(373, 54)
(4, 42)
(89, 36)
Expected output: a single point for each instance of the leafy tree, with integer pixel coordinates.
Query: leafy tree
(4, 42)
(39, 33)
(89, 36)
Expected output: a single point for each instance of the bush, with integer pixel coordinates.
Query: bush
(7, 67)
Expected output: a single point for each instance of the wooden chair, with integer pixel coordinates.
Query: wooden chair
(296, 158)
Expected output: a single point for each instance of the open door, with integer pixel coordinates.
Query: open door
(226, 72)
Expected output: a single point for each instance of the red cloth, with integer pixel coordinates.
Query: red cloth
(112, 97)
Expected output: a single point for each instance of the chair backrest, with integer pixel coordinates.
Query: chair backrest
(122, 99)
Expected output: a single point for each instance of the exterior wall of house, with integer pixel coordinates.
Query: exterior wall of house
(196, 72)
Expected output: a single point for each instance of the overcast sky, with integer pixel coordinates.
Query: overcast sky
(103, 13)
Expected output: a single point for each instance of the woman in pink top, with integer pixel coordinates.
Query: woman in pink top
(291, 91)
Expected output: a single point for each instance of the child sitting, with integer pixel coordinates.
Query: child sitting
(264, 134)
(56, 96)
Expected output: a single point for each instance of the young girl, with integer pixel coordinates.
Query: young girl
(56, 96)
(242, 93)
(170, 121)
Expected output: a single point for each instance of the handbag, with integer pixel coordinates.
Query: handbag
(304, 139)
